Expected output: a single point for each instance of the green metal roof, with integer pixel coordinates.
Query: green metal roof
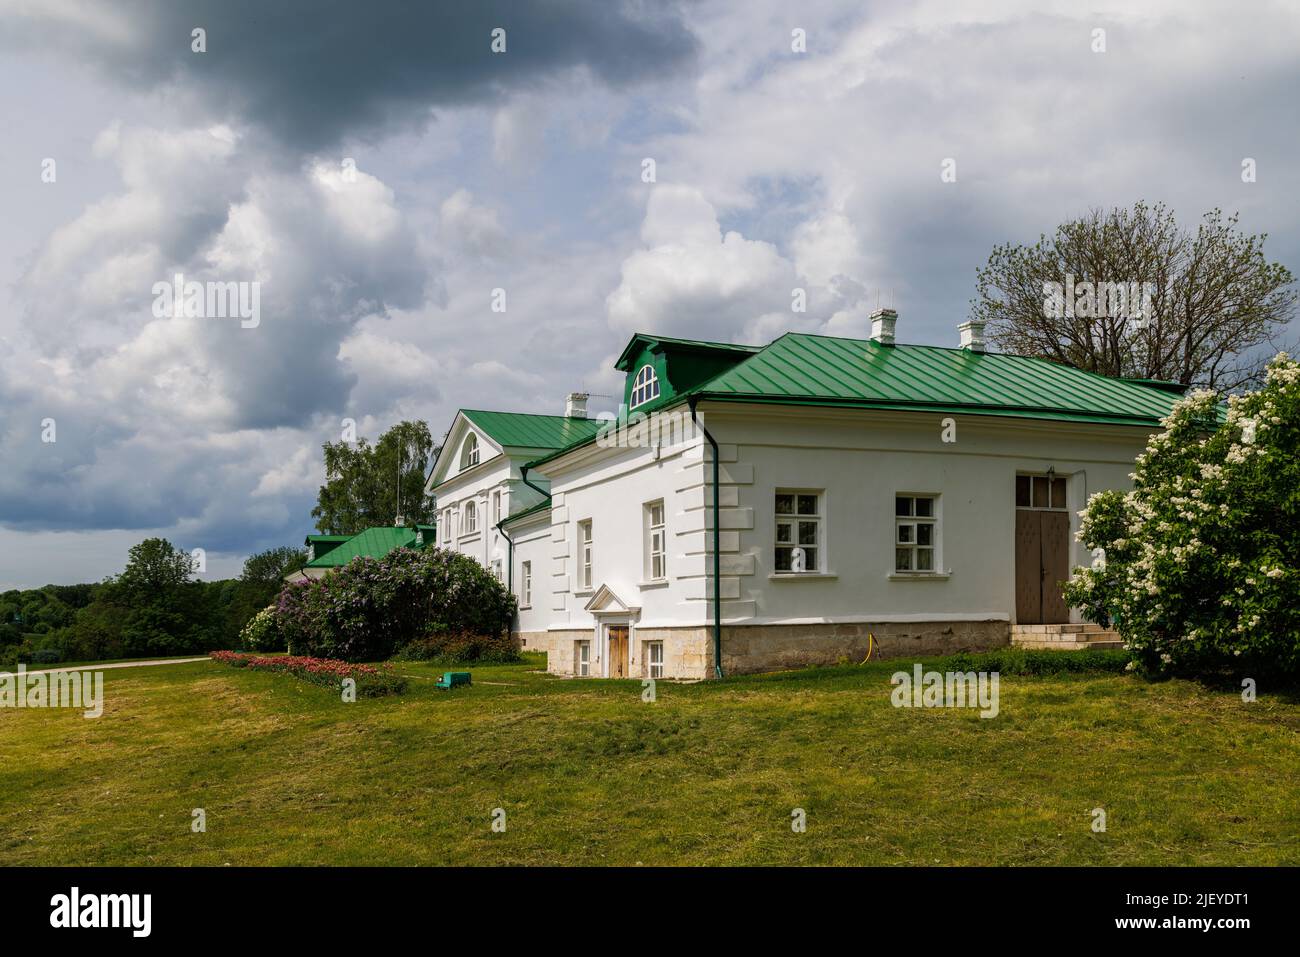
(525, 430)
(531, 510)
(802, 369)
(372, 543)
(822, 370)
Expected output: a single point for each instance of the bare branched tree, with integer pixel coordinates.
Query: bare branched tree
(1210, 312)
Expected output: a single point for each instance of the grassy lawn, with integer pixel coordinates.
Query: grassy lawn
(708, 774)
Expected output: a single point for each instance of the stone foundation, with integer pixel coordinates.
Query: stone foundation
(747, 649)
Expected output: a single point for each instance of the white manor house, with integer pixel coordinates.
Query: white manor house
(803, 502)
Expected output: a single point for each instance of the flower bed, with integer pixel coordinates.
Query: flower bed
(371, 682)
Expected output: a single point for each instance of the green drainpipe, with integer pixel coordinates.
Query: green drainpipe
(717, 542)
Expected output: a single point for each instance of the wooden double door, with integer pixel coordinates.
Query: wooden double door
(1042, 564)
(618, 647)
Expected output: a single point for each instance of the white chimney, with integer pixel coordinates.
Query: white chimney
(972, 335)
(882, 326)
(575, 405)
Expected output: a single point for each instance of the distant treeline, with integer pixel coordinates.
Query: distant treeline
(155, 607)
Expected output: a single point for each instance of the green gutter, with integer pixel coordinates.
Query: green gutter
(717, 542)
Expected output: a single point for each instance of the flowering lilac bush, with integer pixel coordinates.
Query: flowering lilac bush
(1199, 567)
(370, 607)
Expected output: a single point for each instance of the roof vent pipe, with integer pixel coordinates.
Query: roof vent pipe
(883, 322)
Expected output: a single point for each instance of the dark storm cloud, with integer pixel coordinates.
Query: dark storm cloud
(311, 73)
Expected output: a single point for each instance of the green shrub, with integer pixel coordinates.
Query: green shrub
(446, 646)
(1020, 661)
(1199, 566)
(369, 608)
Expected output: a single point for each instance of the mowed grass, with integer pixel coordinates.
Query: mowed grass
(588, 773)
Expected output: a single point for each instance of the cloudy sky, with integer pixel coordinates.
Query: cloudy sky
(379, 170)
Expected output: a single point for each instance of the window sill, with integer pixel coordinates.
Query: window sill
(919, 576)
(584, 592)
(801, 576)
(467, 537)
(653, 583)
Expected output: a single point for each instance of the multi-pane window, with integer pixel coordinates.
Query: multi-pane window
(446, 524)
(496, 506)
(644, 387)
(655, 567)
(1040, 491)
(584, 658)
(496, 570)
(915, 533)
(584, 553)
(471, 519)
(526, 584)
(655, 658)
(798, 532)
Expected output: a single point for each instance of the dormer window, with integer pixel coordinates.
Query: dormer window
(469, 452)
(645, 387)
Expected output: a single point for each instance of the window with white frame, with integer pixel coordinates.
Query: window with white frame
(583, 656)
(446, 524)
(655, 658)
(644, 387)
(584, 554)
(496, 570)
(655, 564)
(916, 533)
(469, 452)
(469, 524)
(526, 584)
(496, 506)
(798, 532)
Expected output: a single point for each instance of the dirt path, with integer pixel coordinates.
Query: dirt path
(120, 664)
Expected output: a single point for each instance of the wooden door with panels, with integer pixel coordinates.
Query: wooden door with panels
(618, 648)
(1042, 550)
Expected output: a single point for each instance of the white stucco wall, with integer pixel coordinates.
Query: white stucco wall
(859, 461)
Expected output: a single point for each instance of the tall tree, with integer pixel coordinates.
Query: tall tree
(362, 485)
(1212, 300)
(261, 581)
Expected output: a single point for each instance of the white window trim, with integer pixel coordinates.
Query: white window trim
(469, 452)
(650, 663)
(645, 387)
(586, 576)
(469, 511)
(526, 584)
(582, 668)
(935, 521)
(820, 570)
(648, 550)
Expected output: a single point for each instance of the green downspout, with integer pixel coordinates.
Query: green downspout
(510, 555)
(717, 542)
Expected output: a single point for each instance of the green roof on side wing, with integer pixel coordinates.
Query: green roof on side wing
(529, 431)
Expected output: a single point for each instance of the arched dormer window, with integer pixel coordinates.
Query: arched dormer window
(469, 452)
(644, 387)
(471, 519)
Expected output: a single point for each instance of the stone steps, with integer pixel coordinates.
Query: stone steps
(1064, 637)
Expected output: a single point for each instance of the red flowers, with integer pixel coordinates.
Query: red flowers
(370, 681)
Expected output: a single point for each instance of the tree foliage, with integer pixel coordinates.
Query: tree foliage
(362, 488)
(1215, 301)
(1200, 563)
